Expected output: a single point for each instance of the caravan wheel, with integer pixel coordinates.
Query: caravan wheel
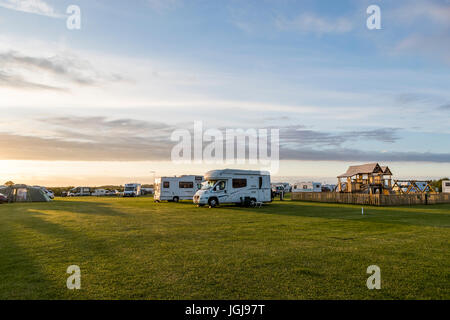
(176, 199)
(252, 202)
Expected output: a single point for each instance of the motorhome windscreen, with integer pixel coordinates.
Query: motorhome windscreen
(208, 184)
(129, 188)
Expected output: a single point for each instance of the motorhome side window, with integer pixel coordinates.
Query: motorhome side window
(239, 183)
(186, 185)
(166, 185)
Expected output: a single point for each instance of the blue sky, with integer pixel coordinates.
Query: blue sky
(339, 93)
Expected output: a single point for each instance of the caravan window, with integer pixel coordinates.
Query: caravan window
(239, 183)
(305, 186)
(166, 184)
(185, 185)
(260, 182)
(447, 184)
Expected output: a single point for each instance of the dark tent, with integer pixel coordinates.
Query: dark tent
(24, 193)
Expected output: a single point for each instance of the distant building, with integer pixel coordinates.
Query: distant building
(446, 186)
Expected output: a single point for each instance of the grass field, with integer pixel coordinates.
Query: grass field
(137, 249)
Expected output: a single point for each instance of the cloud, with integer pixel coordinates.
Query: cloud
(302, 137)
(103, 139)
(39, 7)
(434, 12)
(344, 154)
(16, 81)
(432, 37)
(90, 139)
(445, 107)
(59, 67)
(430, 45)
(311, 23)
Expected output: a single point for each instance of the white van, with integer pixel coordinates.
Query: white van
(307, 187)
(79, 192)
(99, 193)
(132, 190)
(243, 187)
(177, 188)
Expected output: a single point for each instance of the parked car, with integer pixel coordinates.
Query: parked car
(277, 190)
(112, 193)
(49, 193)
(3, 198)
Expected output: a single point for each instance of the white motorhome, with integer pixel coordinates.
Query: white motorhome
(307, 187)
(79, 192)
(132, 190)
(446, 186)
(177, 188)
(244, 187)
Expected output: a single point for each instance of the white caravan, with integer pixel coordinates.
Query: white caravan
(446, 186)
(177, 188)
(243, 187)
(132, 190)
(307, 187)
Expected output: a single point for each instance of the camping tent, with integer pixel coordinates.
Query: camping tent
(24, 193)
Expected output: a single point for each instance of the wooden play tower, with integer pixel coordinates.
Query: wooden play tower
(370, 178)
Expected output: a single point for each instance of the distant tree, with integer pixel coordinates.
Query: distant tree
(9, 183)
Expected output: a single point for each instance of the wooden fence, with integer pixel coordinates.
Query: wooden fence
(372, 199)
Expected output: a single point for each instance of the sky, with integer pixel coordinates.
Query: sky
(97, 105)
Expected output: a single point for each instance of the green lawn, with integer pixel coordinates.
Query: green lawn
(137, 249)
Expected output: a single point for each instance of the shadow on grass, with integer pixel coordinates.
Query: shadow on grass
(83, 207)
(431, 216)
(71, 238)
(22, 276)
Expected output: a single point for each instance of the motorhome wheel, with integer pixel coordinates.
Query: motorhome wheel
(212, 202)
